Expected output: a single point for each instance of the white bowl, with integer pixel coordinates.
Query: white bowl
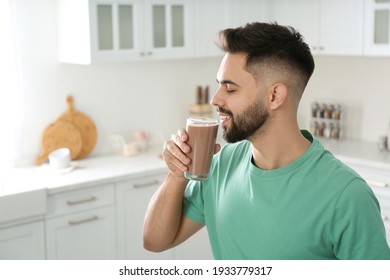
(60, 158)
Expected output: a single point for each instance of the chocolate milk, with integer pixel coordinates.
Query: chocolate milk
(202, 133)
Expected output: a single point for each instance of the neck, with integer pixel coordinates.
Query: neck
(278, 146)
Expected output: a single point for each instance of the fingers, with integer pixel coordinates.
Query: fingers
(217, 148)
(174, 153)
(180, 140)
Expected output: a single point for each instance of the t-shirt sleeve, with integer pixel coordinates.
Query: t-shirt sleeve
(359, 231)
(193, 203)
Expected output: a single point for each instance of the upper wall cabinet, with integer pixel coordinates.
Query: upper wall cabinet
(120, 30)
(377, 32)
(247, 11)
(211, 16)
(331, 27)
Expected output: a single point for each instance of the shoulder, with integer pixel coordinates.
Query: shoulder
(234, 149)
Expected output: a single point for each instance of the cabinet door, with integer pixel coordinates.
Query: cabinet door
(341, 27)
(167, 29)
(132, 201)
(116, 30)
(197, 247)
(243, 12)
(330, 27)
(23, 242)
(88, 235)
(210, 17)
(377, 27)
(304, 16)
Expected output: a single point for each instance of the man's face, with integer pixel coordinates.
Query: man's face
(239, 100)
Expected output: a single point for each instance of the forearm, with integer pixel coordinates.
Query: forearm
(162, 220)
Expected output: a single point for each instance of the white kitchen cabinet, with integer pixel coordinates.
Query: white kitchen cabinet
(123, 30)
(197, 247)
(212, 16)
(23, 241)
(80, 224)
(377, 27)
(132, 198)
(247, 11)
(330, 27)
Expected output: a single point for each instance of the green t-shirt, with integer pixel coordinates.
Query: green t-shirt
(314, 208)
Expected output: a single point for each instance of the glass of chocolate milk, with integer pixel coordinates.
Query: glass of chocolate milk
(202, 134)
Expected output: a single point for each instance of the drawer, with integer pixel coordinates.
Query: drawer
(80, 200)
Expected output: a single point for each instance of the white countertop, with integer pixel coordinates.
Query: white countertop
(29, 186)
(92, 170)
(358, 152)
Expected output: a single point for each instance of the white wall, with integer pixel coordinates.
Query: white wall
(362, 86)
(156, 95)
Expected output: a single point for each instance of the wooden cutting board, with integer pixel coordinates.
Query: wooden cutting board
(85, 126)
(57, 135)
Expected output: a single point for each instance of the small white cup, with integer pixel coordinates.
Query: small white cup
(60, 158)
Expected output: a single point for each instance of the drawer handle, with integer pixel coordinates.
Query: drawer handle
(385, 218)
(87, 220)
(378, 184)
(81, 201)
(147, 184)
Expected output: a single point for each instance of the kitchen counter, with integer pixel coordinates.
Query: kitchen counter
(87, 171)
(358, 152)
(93, 170)
(30, 186)
(103, 169)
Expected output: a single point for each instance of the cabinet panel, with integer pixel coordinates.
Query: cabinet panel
(23, 242)
(126, 27)
(210, 16)
(330, 27)
(247, 11)
(88, 235)
(105, 27)
(197, 247)
(132, 201)
(341, 27)
(377, 27)
(291, 13)
(170, 25)
(79, 200)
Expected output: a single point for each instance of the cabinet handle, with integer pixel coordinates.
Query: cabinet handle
(385, 218)
(378, 184)
(149, 53)
(85, 200)
(87, 220)
(147, 184)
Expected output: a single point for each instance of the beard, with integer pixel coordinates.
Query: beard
(246, 124)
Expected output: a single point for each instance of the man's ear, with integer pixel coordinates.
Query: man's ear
(278, 95)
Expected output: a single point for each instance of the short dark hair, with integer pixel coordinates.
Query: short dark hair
(270, 43)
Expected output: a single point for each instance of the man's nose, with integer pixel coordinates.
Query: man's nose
(217, 99)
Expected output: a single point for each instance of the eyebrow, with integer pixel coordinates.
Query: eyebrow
(227, 82)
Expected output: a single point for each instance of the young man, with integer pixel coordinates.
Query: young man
(274, 192)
